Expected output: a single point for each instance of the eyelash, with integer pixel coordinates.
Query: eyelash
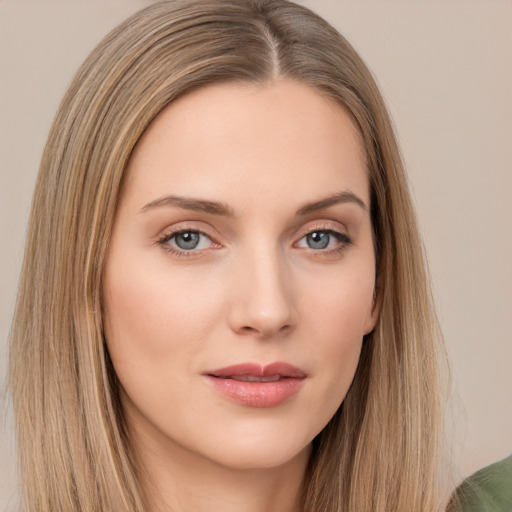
(343, 242)
(162, 242)
(343, 239)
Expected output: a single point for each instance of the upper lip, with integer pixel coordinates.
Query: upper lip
(258, 370)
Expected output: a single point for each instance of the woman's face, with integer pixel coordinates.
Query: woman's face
(240, 278)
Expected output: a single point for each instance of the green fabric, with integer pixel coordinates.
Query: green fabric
(488, 490)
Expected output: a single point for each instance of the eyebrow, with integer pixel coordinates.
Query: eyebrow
(198, 205)
(341, 197)
(219, 208)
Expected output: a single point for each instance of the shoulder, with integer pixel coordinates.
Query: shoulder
(487, 490)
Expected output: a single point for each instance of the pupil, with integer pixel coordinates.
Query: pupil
(187, 240)
(318, 240)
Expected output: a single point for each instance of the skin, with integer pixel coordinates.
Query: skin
(253, 290)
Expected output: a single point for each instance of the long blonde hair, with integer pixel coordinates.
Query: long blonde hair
(381, 450)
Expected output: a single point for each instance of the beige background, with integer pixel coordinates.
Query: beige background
(445, 68)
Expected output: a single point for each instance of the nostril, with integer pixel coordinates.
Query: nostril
(265, 332)
(248, 329)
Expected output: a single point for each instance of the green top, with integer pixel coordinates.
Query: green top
(487, 490)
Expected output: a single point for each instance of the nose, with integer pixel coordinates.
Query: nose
(263, 302)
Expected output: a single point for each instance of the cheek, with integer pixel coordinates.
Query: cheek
(340, 304)
(154, 321)
(337, 322)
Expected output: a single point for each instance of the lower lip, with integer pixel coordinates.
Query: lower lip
(257, 394)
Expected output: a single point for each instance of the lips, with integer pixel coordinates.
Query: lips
(256, 385)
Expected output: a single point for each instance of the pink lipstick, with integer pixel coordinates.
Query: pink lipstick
(255, 385)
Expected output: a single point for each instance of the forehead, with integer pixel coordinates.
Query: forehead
(249, 139)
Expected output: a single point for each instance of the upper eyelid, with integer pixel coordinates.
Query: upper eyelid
(326, 225)
(183, 226)
(168, 235)
(341, 235)
(336, 228)
(211, 232)
(185, 230)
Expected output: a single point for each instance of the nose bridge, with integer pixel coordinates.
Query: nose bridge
(264, 303)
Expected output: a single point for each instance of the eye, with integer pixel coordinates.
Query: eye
(322, 239)
(318, 239)
(185, 241)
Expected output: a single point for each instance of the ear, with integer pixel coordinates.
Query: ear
(373, 314)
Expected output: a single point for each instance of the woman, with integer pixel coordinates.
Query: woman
(223, 302)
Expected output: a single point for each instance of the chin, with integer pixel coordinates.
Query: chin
(260, 457)
(257, 446)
